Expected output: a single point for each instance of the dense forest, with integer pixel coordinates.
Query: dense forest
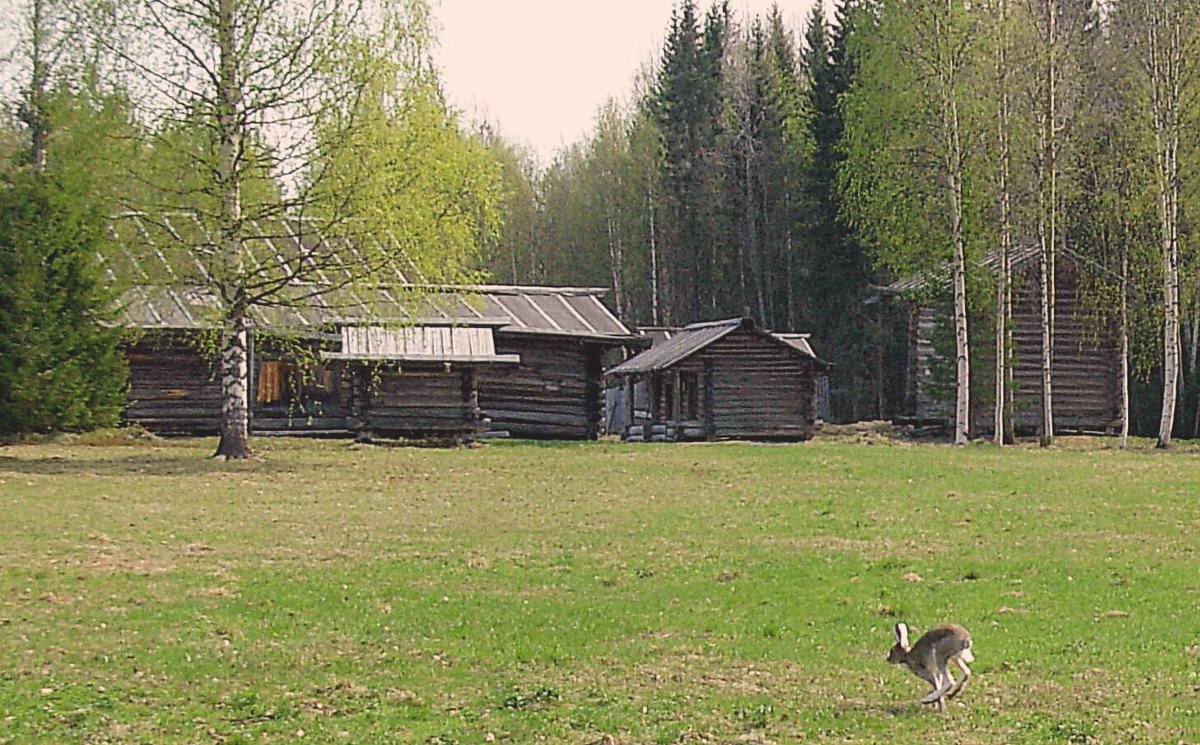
(790, 174)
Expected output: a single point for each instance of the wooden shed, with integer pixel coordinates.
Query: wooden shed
(560, 334)
(722, 380)
(419, 381)
(1085, 370)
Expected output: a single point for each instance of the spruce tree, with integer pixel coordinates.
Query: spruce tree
(60, 365)
(837, 268)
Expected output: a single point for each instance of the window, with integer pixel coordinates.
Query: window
(272, 382)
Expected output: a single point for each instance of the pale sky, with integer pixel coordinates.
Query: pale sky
(542, 68)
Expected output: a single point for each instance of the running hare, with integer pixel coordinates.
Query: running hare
(930, 657)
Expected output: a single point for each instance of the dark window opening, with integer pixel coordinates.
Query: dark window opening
(689, 396)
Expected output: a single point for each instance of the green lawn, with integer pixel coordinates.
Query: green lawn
(599, 593)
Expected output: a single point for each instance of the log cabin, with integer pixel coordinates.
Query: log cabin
(1085, 368)
(561, 336)
(722, 380)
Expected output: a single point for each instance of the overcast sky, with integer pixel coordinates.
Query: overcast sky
(541, 68)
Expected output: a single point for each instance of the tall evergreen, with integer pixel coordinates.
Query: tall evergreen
(60, 366)
(687, 103)
(837, 267)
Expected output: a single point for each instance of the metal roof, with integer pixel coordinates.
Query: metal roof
(162, 264)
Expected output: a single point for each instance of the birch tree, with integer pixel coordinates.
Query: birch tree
(1163, 38)
(294, 102)
(909, 123)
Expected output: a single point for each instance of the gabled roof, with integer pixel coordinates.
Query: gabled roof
(677, 345)
(160, 263)
(1020, 256)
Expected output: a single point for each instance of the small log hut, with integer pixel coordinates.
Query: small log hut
(722, 380)
(1085, 362)
(560, 334)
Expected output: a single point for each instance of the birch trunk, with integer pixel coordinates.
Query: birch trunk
(1124, 413)
(1001, 433)
(1165, 61)
(654, 301)
(235, 393)
(962, 407)
(235, 367)
(36, 102)
(616, 261)
(1048, 218)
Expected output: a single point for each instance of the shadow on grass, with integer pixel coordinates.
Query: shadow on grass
(137, 464)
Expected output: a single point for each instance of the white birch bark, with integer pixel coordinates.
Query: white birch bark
(235, 363)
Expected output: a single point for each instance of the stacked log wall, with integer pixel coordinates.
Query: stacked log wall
(295, 416)
(1085, 368)
(410, 403)
(750, 388)
(1085, 365)
(553, 394)
(173, 387)
(760, 389)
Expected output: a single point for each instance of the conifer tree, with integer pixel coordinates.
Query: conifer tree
(838, 271)
(60, 366)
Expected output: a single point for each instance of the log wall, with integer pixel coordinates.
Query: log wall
(553, 394)
(1085, 372)
(173, 388)
(388, 402)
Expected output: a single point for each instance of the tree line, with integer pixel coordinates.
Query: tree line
(754, 169)
(789, 174)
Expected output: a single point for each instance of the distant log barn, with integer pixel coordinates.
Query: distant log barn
(1085, 372)
(720, 380)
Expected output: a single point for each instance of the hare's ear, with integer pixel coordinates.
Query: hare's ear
(902, 635)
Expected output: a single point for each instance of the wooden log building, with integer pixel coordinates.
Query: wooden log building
(559, 335)
(722, 380)
(1085, 369)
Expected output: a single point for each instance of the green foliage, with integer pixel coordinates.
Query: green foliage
(407, 172)
(60, 366)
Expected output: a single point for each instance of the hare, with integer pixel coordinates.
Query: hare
(930, 657)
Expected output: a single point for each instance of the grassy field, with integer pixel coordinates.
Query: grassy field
(598, 593)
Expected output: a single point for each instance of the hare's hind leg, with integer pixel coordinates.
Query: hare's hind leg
(966, 671)
(943, 682)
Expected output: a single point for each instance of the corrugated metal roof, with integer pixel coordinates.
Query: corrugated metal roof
(162, 263)
(677, 345)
